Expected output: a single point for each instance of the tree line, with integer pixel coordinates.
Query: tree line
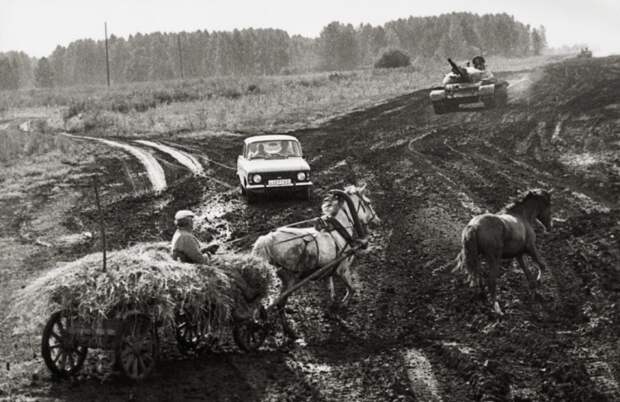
(162, 56)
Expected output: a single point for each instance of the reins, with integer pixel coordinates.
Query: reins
(337, 226)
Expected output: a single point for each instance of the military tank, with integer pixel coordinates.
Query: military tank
(465, 85)
(585, 53)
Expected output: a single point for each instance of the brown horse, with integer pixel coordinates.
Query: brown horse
(507, 234)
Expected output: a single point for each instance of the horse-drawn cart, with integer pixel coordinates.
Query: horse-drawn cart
(143, 295)
(122, 308)
(132, 336)
(133, 339)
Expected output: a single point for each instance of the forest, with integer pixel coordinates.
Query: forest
(163, 56)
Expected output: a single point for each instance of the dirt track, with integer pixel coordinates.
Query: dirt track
(412, 333)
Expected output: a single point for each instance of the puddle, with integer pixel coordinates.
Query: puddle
(210, 219)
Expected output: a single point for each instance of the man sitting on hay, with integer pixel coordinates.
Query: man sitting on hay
(185, 246)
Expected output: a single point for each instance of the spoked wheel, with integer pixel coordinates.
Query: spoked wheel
(250, 334)
(136, 352)
(193, 333)
(60, 350)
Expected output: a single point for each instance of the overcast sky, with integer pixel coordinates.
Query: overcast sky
(37, 26)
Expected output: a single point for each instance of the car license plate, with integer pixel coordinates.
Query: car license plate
(280, 182)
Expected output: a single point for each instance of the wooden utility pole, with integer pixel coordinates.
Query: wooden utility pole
(107, 58)
(180, 55)
(101, 221)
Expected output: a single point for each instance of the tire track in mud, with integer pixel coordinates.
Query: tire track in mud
(506, 172)
(154, 170)
(421, 375)
(185, 159)
(447, 347)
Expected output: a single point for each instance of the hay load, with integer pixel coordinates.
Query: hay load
(145, 278)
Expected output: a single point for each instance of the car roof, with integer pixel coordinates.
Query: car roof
(271, 137)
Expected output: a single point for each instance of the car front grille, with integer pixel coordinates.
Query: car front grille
(266, 176)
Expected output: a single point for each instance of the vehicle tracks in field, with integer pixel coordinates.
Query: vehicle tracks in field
(413, 332)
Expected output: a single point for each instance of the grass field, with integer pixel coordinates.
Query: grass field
(249, 104)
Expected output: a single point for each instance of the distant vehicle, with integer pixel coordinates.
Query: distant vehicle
(272, 163)
(468, 85)
(585, 53)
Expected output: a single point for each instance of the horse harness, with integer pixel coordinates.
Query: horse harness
(329, 224)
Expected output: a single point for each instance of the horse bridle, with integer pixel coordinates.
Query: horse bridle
(360, 228)
(364, 204)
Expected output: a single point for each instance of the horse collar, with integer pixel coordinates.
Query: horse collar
(358, 228)
(342, 231)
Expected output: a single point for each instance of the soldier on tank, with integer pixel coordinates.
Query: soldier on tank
(479, 62)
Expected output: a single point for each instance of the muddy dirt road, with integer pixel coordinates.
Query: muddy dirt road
(413, 332)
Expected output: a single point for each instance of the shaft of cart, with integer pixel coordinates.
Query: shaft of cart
(316, 274)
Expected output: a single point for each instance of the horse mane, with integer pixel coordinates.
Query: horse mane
(524, 196)
(330, 205)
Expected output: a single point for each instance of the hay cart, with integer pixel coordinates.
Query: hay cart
(251, 330)
(131, 335)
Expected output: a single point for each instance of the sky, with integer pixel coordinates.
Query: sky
(38, 26)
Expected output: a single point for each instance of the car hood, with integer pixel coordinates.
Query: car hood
(277, 165)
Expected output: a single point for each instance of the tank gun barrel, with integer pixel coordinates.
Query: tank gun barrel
(458, 70)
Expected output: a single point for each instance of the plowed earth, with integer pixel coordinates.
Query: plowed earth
(415, 331)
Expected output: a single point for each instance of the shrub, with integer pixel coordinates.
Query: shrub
(393, 58)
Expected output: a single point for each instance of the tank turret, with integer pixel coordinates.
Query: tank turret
(460, 71)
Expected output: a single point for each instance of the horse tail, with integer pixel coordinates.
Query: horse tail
(262, 247)
(467, 260)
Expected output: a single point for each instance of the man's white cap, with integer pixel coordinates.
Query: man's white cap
(182, 214)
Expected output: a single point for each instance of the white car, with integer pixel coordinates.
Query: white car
(273, 163)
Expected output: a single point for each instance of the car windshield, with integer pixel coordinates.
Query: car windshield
(277, 149)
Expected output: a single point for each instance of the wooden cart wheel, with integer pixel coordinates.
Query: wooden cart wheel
(136, 351)
(62, 354)
(250, 334)
(192, 336)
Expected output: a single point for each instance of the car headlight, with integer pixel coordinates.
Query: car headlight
(301, 176)
(257, 178)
